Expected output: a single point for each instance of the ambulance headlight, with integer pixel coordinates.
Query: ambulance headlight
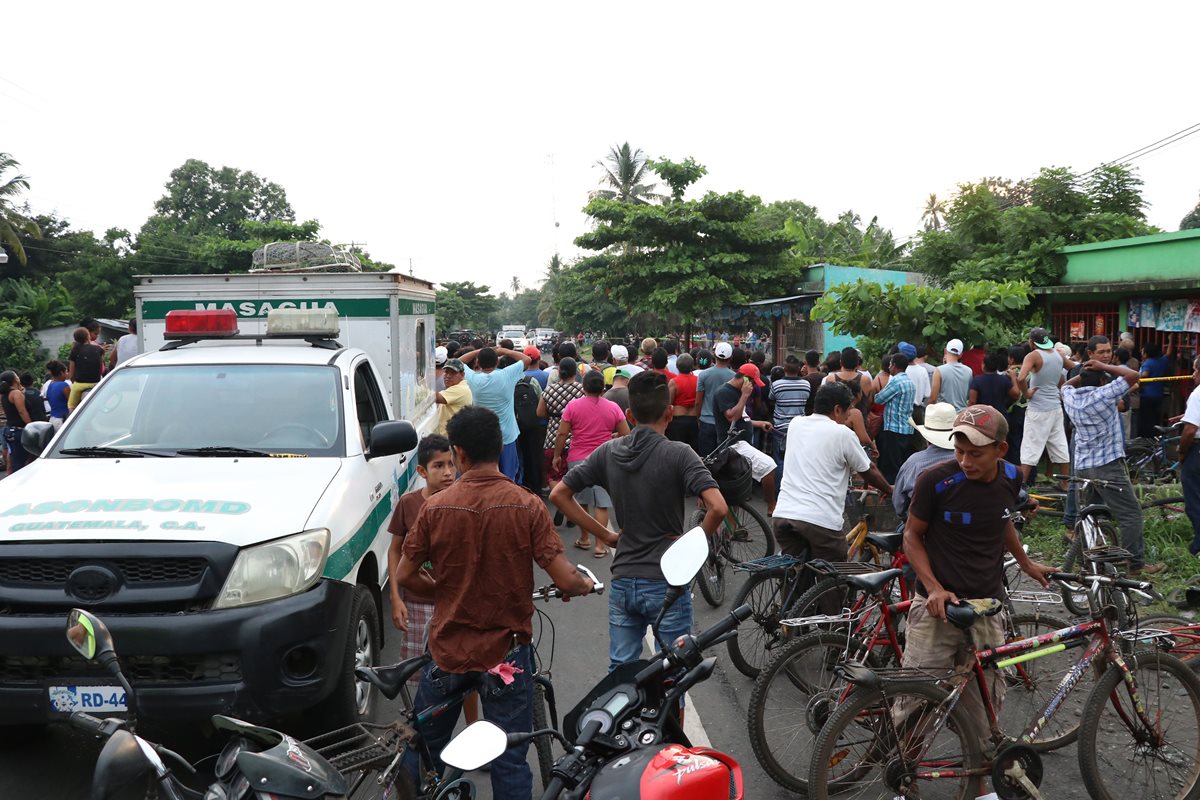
(275, 569)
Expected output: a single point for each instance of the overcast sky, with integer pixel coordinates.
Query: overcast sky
(458, 134)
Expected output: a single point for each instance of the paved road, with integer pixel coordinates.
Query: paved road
(59, 764)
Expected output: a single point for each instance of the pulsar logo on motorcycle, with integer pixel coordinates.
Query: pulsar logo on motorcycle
(91, 584)
(686, 765)
(296, 755)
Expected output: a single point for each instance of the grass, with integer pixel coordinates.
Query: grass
(1167, 533)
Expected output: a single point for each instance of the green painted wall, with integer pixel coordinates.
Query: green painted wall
(1163, 256)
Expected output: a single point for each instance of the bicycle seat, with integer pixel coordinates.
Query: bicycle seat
(872, 582)
(859, 674)
(389, 680)
(891, 542)
(1096, 509)
(966, 612)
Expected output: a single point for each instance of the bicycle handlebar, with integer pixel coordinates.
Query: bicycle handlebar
(552, 591)
(1083, 480)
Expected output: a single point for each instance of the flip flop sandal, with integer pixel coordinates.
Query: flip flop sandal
(583, 545)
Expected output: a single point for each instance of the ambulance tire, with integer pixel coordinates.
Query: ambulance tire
(342, 706)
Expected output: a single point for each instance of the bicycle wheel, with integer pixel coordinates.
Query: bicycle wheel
(1186, 636)
(541, 720)
(750, 535)
(793, 698)
(827, 596)
(711, 577)
(856, 754)
(1030, 685)
(1119, 757)
(757, 642)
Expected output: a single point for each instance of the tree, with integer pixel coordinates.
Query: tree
(201, 199)
(1115, 189)
(688, 257)
(1191, 220)
(38, 305)
(20, 349)
(844, 241)
(462, 305)
(982, 311)
(624, 175)
(13, 222)
(934, 213)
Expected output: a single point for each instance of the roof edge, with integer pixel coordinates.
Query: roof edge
(1133, 241)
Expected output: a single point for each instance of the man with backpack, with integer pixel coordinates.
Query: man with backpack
(526, 394)
(494, 389)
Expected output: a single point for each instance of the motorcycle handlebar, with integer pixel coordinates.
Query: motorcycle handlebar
(699, 642)
(553, 789)
(86, 722)
(706, 639)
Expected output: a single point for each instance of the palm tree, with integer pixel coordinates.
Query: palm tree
(935, 212)
(624, 172)
(516, 285)
(12, 222)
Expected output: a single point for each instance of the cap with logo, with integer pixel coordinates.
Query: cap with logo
(723, 350)
(982, 425)
(454, 365)
(1041, 339)
(939, 422)
(955, 346)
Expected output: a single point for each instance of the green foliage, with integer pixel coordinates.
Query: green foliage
(201, 199)
(688, 257)
(463, 305)
(20, 350)
(982, 311)
(844, 241)
(625, 177)
(679, 176)
(38, 305)
(64, 351)
(1191, 220)
(997, 230)
(14, 223)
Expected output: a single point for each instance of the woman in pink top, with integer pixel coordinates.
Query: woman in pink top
(590, 421)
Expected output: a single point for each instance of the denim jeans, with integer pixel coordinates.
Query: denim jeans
(1190, 474)
(1121, 499)
(778, 449)
(633, 603)
(510, 707)
(510, 462)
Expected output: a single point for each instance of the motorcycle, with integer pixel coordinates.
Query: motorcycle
(627, 740)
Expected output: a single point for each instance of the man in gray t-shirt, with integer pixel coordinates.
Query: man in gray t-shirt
(951, 381)
(1040, 377)
(706, 389)
(648, 477)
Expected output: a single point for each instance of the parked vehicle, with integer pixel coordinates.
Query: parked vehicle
(226, 499)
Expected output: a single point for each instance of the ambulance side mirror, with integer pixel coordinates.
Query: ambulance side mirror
(391, 437)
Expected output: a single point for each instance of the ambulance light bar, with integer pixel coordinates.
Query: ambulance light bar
(316, 322)
(210, 323)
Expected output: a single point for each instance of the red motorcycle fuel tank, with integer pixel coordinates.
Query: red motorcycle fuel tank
(674, 771)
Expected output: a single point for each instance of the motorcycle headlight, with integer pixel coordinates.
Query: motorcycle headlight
(275, 569)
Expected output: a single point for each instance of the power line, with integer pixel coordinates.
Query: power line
(1136, 154)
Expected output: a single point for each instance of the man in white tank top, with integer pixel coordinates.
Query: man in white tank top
(1040, 377)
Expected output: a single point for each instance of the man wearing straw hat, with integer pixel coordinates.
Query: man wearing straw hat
(939, 420)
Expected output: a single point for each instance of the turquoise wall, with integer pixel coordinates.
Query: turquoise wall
(834, 274)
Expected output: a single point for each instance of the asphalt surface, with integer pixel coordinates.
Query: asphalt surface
(58, 764)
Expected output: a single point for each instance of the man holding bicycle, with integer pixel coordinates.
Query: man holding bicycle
(1100, 448)
(957, 533)
(483, 534)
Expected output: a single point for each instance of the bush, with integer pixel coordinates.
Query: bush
(64, 351)
(19, 351)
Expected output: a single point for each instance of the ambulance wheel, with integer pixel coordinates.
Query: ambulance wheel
(351, 699)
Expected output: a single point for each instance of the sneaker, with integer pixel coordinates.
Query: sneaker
(1146, 569)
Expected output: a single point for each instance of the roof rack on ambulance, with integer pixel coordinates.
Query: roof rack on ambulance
(318, 327)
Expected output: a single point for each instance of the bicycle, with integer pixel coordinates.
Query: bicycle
(357, 747)
(775, 584)
(1093, 532)
(1155, 459)
(799, 689)
(744, 533)
(902, 731)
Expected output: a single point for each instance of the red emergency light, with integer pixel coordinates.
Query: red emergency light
(215, 322)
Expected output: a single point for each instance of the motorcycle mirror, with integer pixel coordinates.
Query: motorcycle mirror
(478, 744)
(88, 635)
(684, 557)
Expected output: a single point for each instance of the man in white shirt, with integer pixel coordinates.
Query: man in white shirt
(127, 346)
(920, 378)
(1189, 457)
(821, 453)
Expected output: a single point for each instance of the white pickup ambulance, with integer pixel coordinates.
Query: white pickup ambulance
(222, 501)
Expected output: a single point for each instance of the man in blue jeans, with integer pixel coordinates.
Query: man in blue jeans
(648, 477)
(480, 537)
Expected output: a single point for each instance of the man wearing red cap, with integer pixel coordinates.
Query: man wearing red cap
(958, 530)
(729, 411)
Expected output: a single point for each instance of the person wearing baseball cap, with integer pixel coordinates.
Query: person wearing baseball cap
(730, 416)
(439, 360)
(951, 382)
(1039, 379)
(454, 396)
(958, 531)
(707, 383)
(620, 357)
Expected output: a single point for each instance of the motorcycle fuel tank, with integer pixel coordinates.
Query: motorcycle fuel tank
(673, 771)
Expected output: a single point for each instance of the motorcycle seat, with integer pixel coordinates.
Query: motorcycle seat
(390, 680)
(891, 542)
(872, 582)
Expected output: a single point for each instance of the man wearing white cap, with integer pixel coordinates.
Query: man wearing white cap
(706, 388)
(439, 360)
(620, 357)
(939, 419)
(1040, 377)
(951, 381)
